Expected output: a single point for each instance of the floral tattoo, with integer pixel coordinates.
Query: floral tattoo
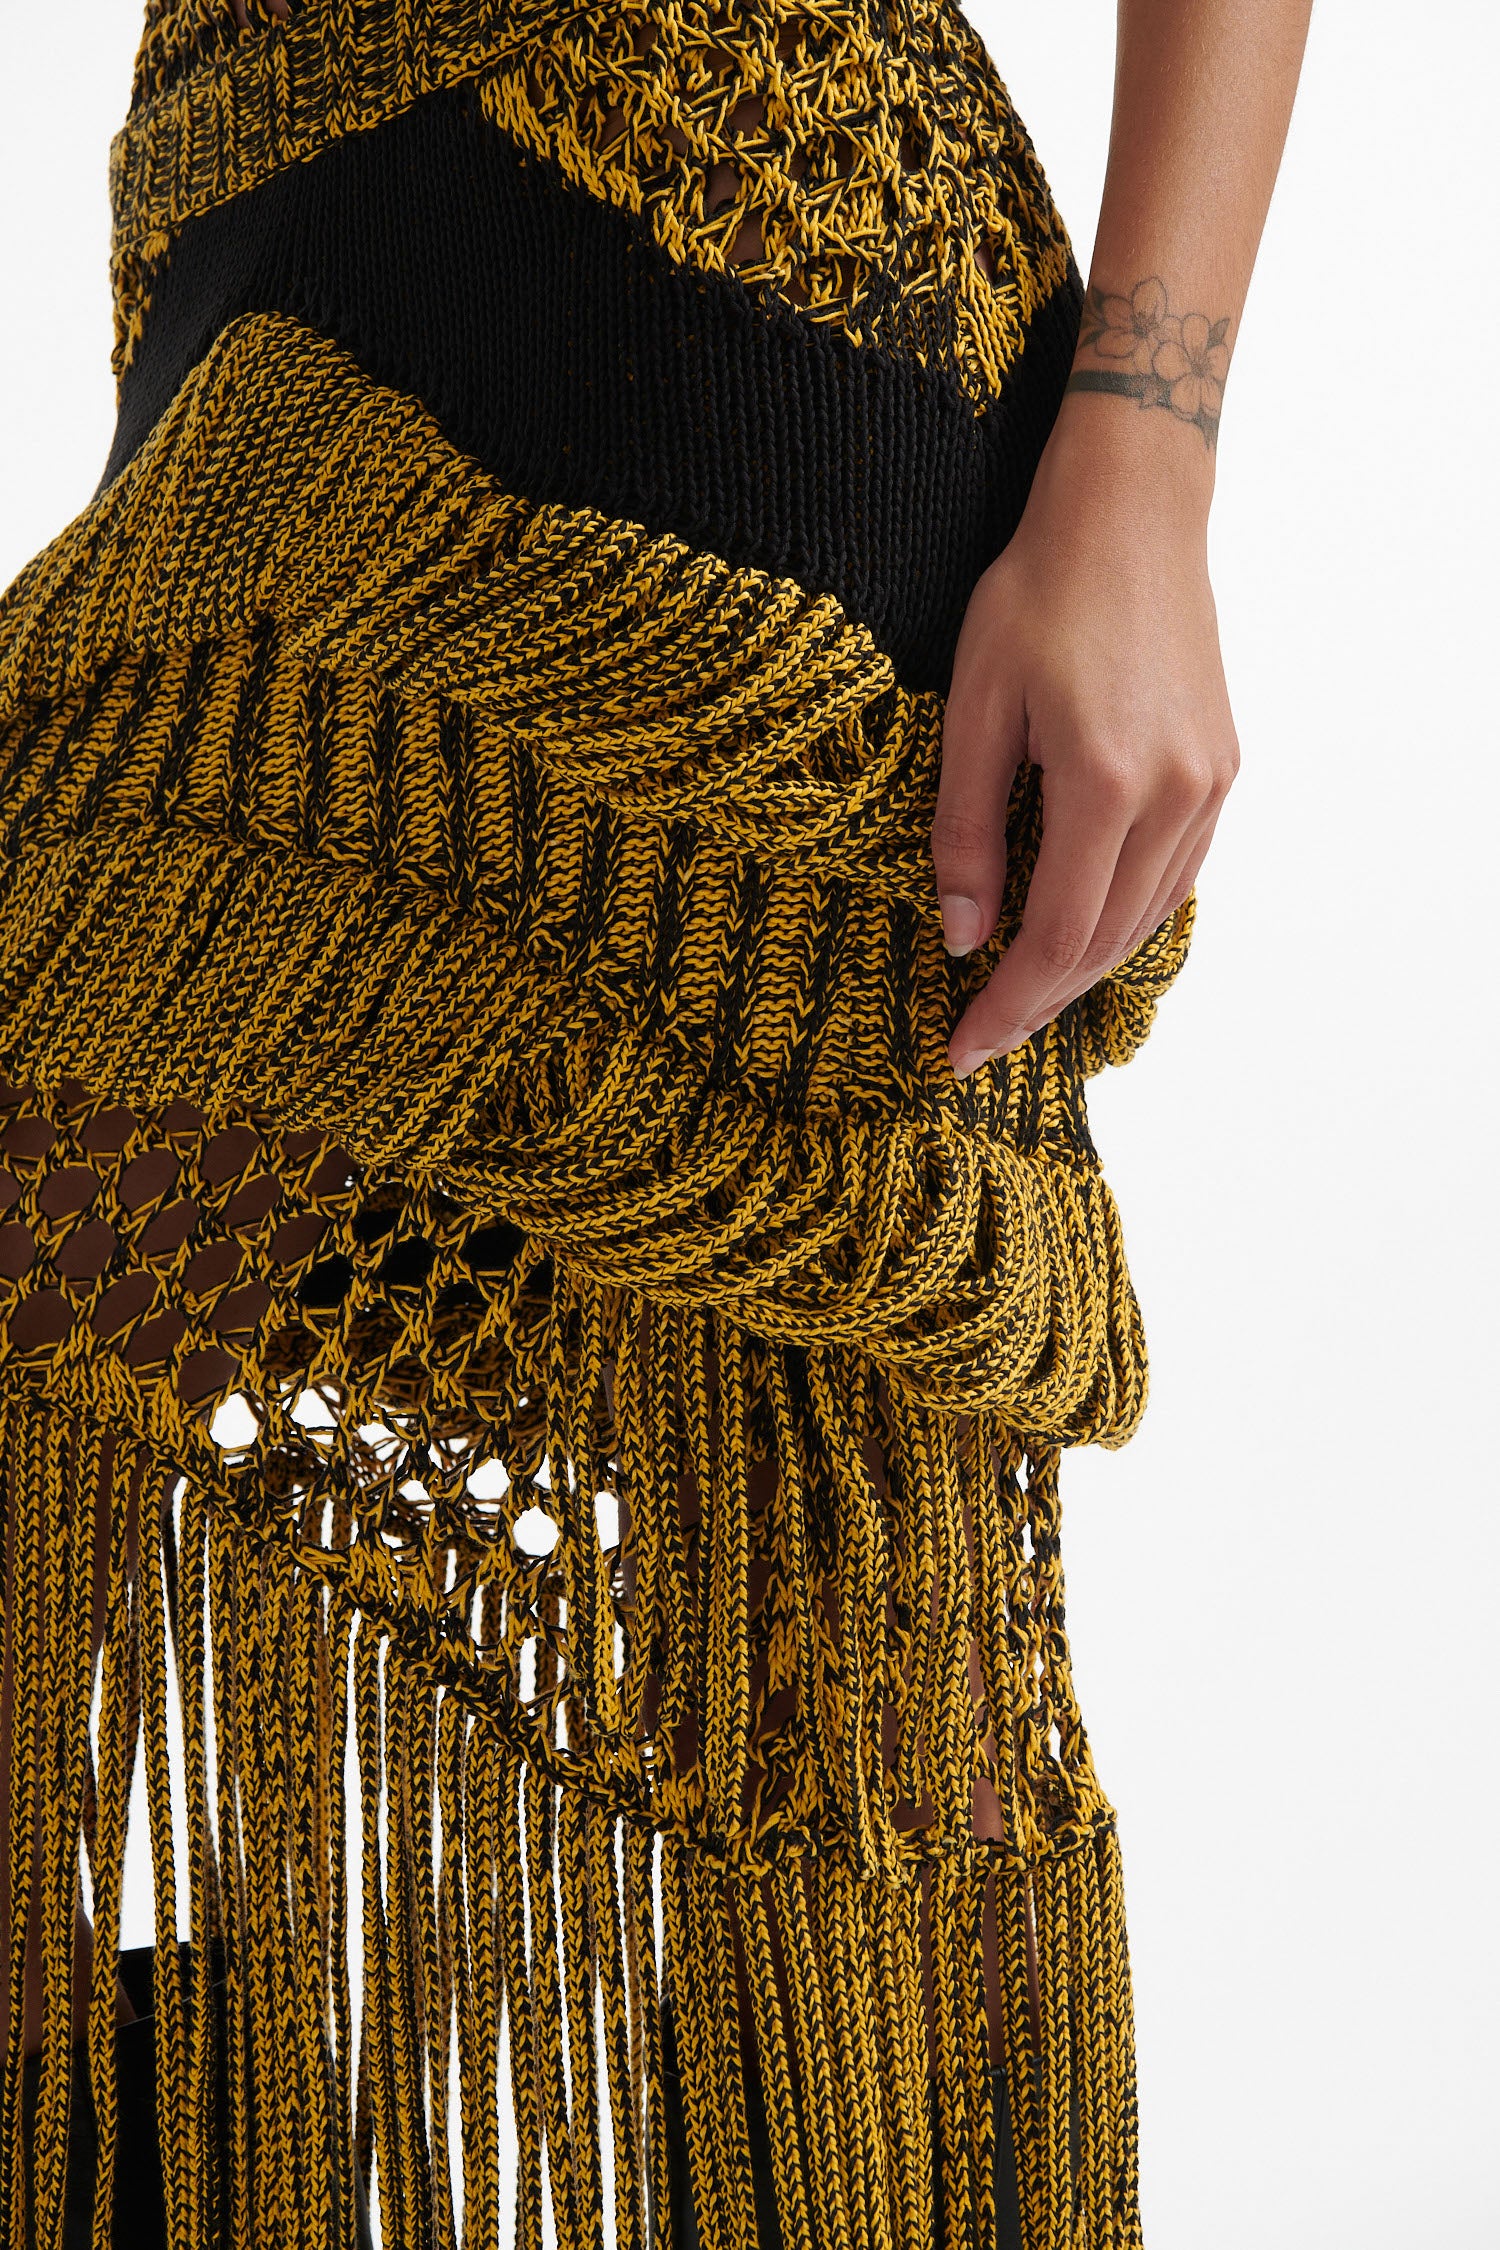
(1157, 357)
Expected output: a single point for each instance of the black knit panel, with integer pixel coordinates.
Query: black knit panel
(554, 341)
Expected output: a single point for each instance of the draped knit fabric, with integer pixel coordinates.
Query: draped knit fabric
(576, 1386)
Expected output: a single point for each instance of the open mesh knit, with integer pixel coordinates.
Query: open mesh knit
(485, 1199)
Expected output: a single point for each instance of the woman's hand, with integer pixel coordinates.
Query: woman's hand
(1091, 647)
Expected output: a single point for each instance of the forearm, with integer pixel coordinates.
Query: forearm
(1090, 644)
(1203, 95)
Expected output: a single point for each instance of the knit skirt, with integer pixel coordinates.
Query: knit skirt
(530, 1399)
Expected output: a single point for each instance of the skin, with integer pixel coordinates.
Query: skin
(1090, 646)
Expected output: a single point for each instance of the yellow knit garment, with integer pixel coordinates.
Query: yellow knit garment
(582, 1377)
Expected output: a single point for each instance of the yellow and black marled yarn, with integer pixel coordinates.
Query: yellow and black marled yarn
(474, 1002)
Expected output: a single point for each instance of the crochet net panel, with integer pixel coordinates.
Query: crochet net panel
(369, 1381)
(887, 189)
(881, 184)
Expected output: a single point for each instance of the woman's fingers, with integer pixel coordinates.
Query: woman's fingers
(1180, 880)
(1149, 854)
(983, 737)
(1156, 864)
(1113, 687)
(1086, 818)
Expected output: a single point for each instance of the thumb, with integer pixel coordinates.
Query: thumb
(984, 736)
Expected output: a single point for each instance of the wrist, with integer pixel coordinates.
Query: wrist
(1108, 456)
(1144, 396)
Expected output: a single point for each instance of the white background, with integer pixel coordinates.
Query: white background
(1283, 1593)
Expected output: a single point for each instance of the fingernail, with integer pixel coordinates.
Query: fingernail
(970, 1058)
(962, 922)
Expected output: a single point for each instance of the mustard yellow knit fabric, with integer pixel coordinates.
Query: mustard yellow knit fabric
(575, 1385)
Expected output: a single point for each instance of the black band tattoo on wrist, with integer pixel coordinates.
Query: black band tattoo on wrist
(1142, 350)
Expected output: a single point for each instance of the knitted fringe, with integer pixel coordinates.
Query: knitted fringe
(513, 1923)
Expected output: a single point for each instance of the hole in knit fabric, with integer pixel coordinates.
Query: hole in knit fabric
(535, 1532)
(336, 1172)
(326, 1286)
(247, 12)
(212, 1268)
(490, 1481)
(493, 1249)
(203, 1375)
(155, 1340)
(747, 115)
(86, 1252)
(723, 187)
(40, 1322)
(748, 246)
(27, 1139)
(296, 1238)
(180, 1117)
(169, 1230)
(407, 1264)
(106, 1134)
(123, 1302)
(70, 1190)
(252, 1202)
(842, 155)
(148, 1178)
(375, 1221)
(229, 1154)
(241, 1310)
(17, 1250)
